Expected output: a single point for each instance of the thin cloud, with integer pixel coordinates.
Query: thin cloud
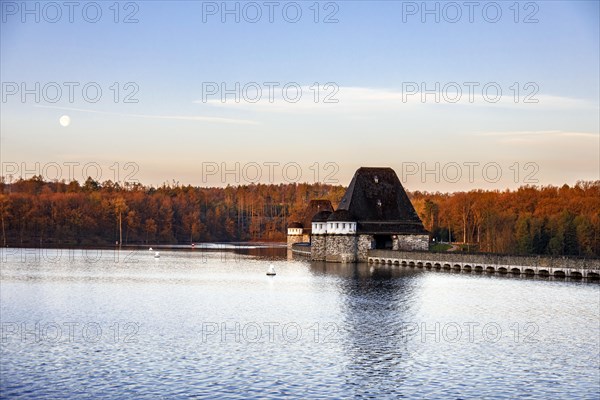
(198, 118)
(546, 133)
(352, 100)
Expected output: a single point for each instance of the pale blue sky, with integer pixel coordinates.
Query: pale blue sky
(370, 55)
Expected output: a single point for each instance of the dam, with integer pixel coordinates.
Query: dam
(559, 267)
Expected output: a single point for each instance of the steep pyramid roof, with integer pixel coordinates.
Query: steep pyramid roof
(377, 200)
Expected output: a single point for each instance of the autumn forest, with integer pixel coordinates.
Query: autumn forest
(530, 220)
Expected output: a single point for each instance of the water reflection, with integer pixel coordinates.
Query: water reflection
(376, 302)
(174, 297)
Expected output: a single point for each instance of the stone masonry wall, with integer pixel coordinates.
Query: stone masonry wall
(412, 242)
(365, 242)
(318, 247)
(291, 239)
(351, 248)
(341, 248)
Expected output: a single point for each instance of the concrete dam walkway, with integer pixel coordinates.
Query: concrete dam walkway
(559, 267)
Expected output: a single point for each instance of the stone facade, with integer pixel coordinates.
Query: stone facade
(318, 247)
(291, 239)
(355, 248)
(411, 242)
(365, 242)
(341, 248)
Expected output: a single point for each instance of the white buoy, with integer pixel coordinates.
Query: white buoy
(157, 255)
(271, 271)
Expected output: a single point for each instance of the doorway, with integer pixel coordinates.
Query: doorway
(383, 242)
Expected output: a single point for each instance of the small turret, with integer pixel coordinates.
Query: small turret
(319, 222)
(295, 228)
(295, 234)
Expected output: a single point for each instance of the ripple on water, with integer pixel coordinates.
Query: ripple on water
(356, 337)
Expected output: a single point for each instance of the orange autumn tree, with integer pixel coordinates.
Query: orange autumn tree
(530, 220)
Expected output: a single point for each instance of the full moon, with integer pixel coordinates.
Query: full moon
(65, 120)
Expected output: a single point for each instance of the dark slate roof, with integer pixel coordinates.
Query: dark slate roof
(377, 200)
(341, 215)
(295, 225)
(321, 216)
(313, 208)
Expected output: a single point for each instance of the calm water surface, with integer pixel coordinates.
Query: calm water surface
(212, 324)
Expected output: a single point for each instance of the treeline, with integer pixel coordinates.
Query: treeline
(34, 212)
(530, 220)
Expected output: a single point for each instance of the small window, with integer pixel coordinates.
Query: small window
(344, 225)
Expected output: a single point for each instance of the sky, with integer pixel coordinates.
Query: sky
(452, 95)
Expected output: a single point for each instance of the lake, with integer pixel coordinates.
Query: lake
(209, 323)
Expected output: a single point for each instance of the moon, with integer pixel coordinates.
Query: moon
(65, 120)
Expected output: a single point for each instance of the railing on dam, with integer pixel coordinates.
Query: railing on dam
(528, 265)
